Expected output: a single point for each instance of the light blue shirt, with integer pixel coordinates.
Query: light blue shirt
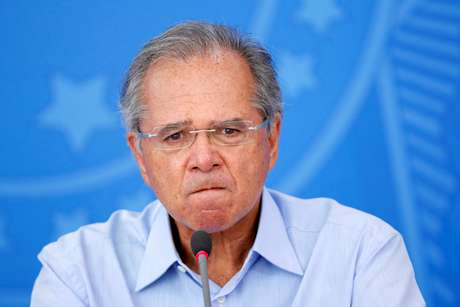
(312, 252)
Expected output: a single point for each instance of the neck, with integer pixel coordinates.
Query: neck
(229, 247)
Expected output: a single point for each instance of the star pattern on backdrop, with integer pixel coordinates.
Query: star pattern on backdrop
(3, 239)
(136, 201)
(319, 14)
(78, 109)
(296, 73)
(68, 222)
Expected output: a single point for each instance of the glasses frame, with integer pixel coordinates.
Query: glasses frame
(145, 135)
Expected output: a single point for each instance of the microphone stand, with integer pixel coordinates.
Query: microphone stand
(201, 244)
(202, 257)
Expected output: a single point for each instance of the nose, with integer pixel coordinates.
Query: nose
(203, 155)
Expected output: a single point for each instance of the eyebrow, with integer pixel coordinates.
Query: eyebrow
(228, 121)
(175, 125)
(180, 124)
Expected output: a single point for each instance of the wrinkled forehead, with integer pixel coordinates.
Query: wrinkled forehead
(200, 119)
(209, 69)
(200, 88)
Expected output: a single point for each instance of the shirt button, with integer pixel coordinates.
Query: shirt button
(181, 268)
(221, 299)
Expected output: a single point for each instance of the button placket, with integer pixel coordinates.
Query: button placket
(181, 268)
(221, 300)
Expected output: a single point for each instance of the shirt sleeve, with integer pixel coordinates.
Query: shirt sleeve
(385, 277)
(57, 284)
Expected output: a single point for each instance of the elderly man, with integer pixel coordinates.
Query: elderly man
(202, 106)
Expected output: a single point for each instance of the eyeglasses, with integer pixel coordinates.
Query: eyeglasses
(226, 133)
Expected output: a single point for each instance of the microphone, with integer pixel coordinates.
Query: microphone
(201, 246)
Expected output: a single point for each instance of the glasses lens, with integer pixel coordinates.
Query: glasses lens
(173, 138)
(231, 133)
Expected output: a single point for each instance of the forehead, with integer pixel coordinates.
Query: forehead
(202, 88)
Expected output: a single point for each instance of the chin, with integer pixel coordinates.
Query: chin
(211, 222)
(213, 228)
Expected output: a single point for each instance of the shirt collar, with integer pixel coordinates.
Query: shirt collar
(160, 252)
(272, 243)
(272, 240)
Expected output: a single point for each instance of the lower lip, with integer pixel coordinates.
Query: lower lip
(208, 194)
(208, 201)
(214, 190)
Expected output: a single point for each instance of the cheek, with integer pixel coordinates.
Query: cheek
(164, 176)
(253, 166)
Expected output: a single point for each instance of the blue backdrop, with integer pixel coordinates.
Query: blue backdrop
(371, 92)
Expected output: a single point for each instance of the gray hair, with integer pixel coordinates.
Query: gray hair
(198, 38)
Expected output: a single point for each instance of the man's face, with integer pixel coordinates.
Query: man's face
(205, 186)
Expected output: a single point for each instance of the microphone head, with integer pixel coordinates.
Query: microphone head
(201, 241)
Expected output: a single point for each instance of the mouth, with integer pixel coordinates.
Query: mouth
(207, 189)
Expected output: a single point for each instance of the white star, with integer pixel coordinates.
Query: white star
(319, 13)
(68, 222)
(296, 73)
(78, 109)
(136, 201)
(3, 240)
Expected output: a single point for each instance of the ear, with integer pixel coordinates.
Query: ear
(137, 152)
(274, 139)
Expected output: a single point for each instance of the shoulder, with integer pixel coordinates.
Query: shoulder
(122, 228)
(315, 214)
(323, 226)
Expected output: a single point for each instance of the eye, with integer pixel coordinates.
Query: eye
(230, 131)
(173, 137)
